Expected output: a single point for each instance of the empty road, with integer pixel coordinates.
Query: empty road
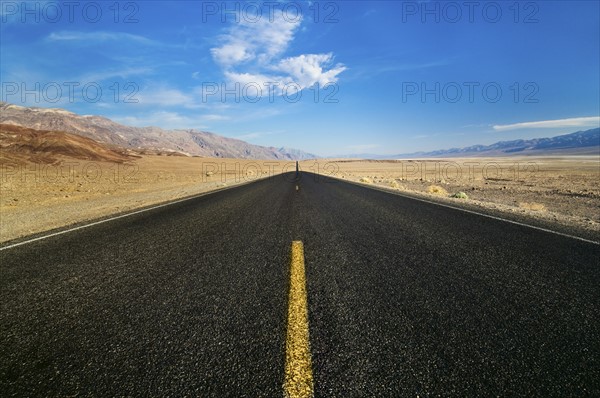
(404, 298)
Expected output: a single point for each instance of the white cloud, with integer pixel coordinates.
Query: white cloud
(257, 48)
(307, 69)
(232, 53)
(592, 121)
(98, 36)
(121, 73)
(164, 96)
(248, 78)
(259, 85)
(295, 72)
(260, 40)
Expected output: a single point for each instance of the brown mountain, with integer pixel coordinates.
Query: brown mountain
(103, 130)
(19, 145)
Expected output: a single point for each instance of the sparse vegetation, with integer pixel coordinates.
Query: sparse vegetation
(437, 190)
(366, 180)
(567, 187)
(394, 184)
(460, 195)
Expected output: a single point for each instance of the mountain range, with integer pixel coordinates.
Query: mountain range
(153, 139)
(141, 140)
(578, 143)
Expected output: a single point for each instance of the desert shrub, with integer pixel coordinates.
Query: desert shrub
(394, 184)
(460, 195)
(437, 190)
(366, 180)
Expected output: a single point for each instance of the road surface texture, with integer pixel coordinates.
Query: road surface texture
(405, 298)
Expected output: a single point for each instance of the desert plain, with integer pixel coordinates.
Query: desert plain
(563, 190)
(41, 196)
(37, 197)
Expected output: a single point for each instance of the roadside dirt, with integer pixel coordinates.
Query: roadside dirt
(36, 197)
(563, 190)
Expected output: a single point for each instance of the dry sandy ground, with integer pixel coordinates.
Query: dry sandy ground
(563, 190)
(39, 197)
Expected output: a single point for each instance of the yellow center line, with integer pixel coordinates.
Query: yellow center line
(298, 367)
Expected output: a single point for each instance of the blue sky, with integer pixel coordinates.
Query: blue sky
(345, 77)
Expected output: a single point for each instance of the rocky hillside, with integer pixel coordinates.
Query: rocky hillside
(20, 145)
(103, 130)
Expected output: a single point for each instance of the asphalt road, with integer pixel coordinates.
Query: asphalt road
(405, 298)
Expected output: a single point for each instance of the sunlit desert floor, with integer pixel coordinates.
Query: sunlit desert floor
(563, 190)
(39, 197)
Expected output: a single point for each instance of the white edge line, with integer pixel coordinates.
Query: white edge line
(468, 211)
(128, 214)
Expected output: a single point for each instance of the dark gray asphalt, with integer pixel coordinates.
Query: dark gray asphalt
(405, 298)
